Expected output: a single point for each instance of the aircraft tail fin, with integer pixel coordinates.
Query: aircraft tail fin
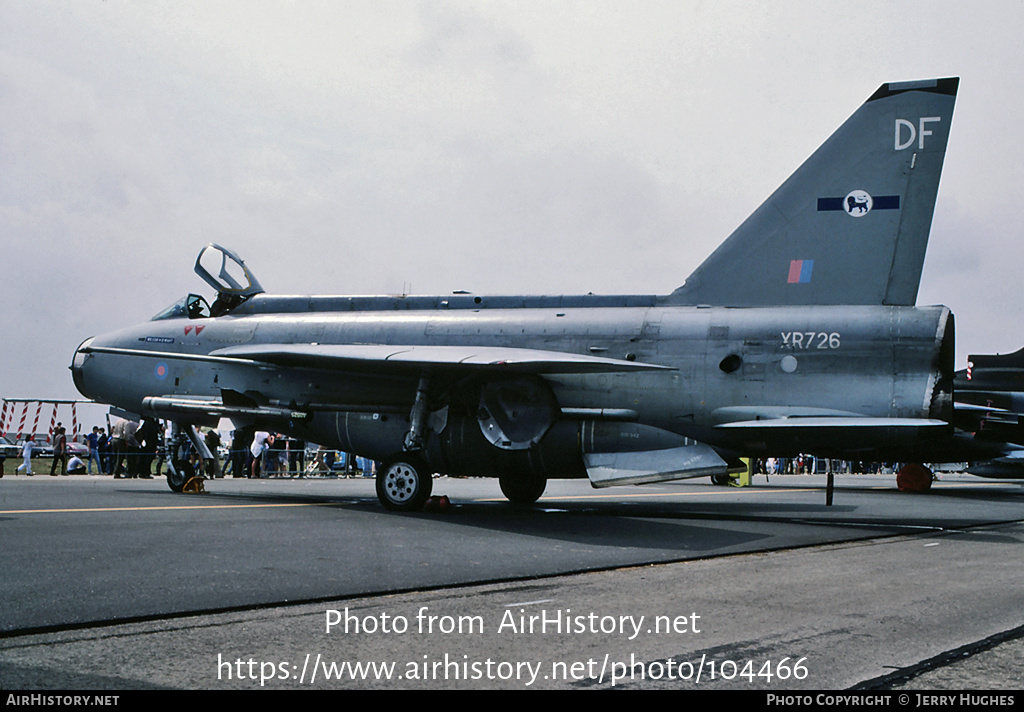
(851, 225)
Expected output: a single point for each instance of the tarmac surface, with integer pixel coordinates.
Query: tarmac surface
(123, 585)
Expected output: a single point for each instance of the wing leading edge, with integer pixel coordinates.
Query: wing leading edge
(399, 359)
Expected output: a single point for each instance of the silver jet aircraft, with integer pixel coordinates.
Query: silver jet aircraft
(799, 334)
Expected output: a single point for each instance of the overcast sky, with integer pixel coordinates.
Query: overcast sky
(530, 147)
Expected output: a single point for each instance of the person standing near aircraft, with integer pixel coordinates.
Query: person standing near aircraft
(93, 439)
(258, 448)
(117, 446)
(60, 451)
(146, 436)
(125, 448)
(161, 452)
(103, 448)
(241, 439)
(212, 439)
(277, 456)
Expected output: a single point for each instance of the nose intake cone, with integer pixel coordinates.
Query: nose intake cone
(77, 366)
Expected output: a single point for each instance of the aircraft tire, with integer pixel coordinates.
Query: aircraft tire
(522, 490)
(404, 483)
(181, 473)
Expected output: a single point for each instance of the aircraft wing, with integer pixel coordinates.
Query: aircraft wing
(414, 358)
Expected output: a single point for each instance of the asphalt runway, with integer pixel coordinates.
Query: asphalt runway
(123, 585)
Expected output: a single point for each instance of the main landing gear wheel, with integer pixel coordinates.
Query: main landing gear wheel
(522, 490)
(404, 483)
(179, 475)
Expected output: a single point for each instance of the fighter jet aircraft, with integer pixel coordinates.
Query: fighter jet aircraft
(993, 383)
(990, 404)
(798, 334)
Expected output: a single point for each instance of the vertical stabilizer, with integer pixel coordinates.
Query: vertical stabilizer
(851, 225)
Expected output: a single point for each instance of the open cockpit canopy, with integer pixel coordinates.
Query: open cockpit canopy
(223, 270)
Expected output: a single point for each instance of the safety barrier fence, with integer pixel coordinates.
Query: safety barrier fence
(8, 416)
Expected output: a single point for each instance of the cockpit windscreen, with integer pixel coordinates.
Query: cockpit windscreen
(191, 307)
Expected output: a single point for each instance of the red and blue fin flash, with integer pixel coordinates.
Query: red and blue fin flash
(800, 271)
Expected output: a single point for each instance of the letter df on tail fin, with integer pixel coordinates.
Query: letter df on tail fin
(851, 225)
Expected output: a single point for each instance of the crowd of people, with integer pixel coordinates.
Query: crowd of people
(131, 449)
(809, 465)
(127, 451)
(136, 450)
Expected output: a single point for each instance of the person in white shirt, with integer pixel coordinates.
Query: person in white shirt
(259, 446)
(26, 454)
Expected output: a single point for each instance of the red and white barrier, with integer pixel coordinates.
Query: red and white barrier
(8, 413)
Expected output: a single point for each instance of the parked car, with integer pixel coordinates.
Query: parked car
(9, 448)
(80, 449)
(12, 448)
(42, 448)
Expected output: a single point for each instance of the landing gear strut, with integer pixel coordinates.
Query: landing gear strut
(404, 483)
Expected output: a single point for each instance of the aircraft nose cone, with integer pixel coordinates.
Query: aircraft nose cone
(77, 365)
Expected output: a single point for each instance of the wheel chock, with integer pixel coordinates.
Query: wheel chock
(437, 504)
(914, 478)
(195, 486)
